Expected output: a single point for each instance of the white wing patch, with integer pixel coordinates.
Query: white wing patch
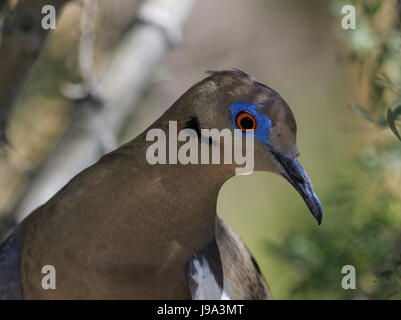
(207, 287)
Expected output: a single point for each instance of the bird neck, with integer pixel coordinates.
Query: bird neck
(179, 200)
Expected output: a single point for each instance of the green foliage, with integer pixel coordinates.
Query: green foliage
(364, 234)
(392, 117)
(362, 225)
(375, 46)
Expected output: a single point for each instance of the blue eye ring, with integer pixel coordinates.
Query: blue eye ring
(245, 121)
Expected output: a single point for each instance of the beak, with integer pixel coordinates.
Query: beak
(299, 179)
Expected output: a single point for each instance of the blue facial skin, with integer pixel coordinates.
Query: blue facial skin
(263, 123)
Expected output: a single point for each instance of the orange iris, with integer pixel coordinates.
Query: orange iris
(245, 121)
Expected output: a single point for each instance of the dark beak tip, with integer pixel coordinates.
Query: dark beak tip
(319, 214)
(319, 219)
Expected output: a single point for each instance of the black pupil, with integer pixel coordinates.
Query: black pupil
(246, 123)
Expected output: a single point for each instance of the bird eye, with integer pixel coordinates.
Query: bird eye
(245, 121)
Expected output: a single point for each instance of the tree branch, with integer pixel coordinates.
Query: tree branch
(129, 68)
(21, 40)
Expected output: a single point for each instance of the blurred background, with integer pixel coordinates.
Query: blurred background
(344, 87)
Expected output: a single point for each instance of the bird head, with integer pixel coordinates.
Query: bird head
(232, 99)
